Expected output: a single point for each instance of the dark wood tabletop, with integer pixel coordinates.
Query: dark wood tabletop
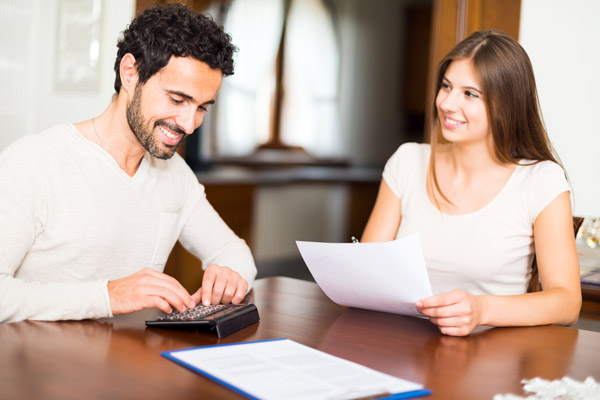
(120, 358)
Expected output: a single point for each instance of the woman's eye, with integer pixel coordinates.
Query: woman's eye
(444, 85)
(471, 95)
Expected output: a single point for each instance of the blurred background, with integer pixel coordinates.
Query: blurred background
(323, 93)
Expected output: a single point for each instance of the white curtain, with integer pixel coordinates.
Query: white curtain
(309, 110)
(242, 118)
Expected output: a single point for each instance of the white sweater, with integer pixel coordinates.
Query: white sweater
(489, 251)
(71, 220)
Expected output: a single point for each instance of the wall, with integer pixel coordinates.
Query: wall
(284, 214)
(17, 22)
(43, 105)
(55, 107)
(370, 91)
(370, 98)
(562, 39)
(371, 129)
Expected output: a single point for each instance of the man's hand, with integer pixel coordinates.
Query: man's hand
(456, 313)
(145, 289)
(221, 285)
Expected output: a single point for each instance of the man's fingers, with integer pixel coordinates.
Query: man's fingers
(240, 293)
(147, 288)
(222, 285)
(172, 291)
(159, 303)
(218, 290)
(197, 297)
(168, 296)
(208, 281)
(228, 294)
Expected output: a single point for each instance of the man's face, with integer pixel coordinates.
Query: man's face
(172, 104)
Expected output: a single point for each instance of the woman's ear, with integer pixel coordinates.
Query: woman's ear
(129, 74)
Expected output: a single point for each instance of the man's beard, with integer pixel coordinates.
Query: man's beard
(146, 137)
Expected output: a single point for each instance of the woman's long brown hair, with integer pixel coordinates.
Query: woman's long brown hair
(506, 77)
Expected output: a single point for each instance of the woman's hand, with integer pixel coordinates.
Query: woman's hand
(456, 313)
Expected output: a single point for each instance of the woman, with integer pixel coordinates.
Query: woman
(487, 200)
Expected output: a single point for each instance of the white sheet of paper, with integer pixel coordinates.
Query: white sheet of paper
(388, 276)
(284, 369)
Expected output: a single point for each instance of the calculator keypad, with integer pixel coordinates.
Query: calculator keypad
(192, 314)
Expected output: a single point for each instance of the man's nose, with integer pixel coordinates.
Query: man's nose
(188, 120)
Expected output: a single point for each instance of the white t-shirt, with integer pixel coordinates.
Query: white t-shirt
(489, 251)
(71, 219)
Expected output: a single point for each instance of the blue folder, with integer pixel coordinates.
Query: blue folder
(172, 356)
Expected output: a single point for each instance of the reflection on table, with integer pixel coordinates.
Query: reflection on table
(120, 357)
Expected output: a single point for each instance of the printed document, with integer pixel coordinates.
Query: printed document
(387, 276)
(283, 369)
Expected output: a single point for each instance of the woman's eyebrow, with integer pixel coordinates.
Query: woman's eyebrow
(473, 88)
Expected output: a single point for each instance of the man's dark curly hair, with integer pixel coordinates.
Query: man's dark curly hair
(169, 30)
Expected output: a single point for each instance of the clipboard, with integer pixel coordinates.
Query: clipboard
(282, 368)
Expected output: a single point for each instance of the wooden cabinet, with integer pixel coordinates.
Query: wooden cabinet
(232, 192)
(234, 203)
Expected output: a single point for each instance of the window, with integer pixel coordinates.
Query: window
(285, 88)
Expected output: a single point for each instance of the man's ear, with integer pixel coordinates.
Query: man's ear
(129, 74)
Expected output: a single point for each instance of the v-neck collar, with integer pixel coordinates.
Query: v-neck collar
(109, 160)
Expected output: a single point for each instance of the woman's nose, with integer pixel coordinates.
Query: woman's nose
(450, 102)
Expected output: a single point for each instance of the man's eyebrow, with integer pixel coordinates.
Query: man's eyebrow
(187, 96)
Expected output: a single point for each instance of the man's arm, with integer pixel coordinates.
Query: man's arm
(22, 219)
(51, 301)
(227, 260)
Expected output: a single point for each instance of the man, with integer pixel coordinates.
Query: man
(90, 212)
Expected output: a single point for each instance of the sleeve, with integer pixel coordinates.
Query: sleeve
(396, 172)
(548, 181)
(208, 237)
(22, 217)
(51, 301)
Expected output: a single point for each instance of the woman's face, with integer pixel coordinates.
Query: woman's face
(461, 110)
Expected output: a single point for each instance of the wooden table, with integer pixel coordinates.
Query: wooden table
(120, 358)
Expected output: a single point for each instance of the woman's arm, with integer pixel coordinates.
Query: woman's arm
(458, 312)
(559, 302)
(385, 218)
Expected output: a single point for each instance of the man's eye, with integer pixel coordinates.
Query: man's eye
(175, 101)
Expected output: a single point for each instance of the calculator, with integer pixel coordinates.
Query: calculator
(222, 319)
